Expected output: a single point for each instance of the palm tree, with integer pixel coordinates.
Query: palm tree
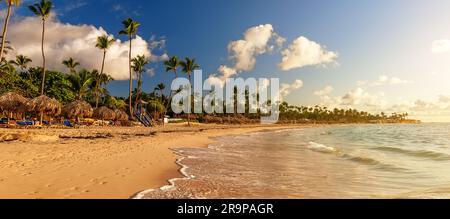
(5, 26)
(42, 10)
(79, 83)
(7, 48)
(71, 64)
(161, 87)
(172, 65)
(103, 43)
(138, 66)
(130, 29)
(98, 80)
(188, 66)
(21, 62)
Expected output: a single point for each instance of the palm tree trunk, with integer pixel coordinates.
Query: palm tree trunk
(138, 93)
(170, 96)
(43, 57)
(131, 81)
(5, 30)
(43, 63)
(190, 102)
(101, 73)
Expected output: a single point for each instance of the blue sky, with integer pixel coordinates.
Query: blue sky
(384, 47)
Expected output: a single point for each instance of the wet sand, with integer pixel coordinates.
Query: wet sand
(99, 162)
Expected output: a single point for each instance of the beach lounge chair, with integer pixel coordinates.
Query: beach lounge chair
(67, 123)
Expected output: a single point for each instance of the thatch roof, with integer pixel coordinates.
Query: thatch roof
(104, 113)
(121, 115)
(77, 108)
(13, 102)
(47, 105)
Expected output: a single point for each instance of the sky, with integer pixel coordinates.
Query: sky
(384, 55)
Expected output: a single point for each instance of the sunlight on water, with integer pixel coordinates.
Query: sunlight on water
(363, 161)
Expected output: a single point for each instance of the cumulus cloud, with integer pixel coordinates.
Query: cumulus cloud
(440, 46)
(325, 91)
(256, 41)
(304, 52)
(386, 80)
(357, 98)
(286, 89)
(78, 41)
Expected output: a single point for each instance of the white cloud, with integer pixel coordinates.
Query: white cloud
(357, 98)
(256, 41)
(304, 52)
(65, 40)
(386, 80)
(325, 91)
(440, 46)
(286, 89)
(226, 71)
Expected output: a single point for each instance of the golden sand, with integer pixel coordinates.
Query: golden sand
(98, 162)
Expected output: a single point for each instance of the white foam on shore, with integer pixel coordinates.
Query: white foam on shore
(321, 148)
(183, 171)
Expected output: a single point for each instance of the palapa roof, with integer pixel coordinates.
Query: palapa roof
(13, 102)
(121, 115)
(47, 105)
(77, 108)
(104, 113)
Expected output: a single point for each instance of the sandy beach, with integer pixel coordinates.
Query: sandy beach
(98, 162)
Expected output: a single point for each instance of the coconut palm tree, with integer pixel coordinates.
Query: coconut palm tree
(42, 10)
(130, 29)
(79, 83)
(7, 48)
(172, 65)
(188, 66)
(103, 43)
(98, 80)
(71, 64)
(5, 26)
(21, 62)
(161, 87)
(138, 66)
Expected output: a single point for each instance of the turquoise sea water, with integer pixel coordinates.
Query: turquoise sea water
(348, 161)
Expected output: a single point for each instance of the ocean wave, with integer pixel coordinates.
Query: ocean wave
(358, 159)
(416, 153)
(321, 148)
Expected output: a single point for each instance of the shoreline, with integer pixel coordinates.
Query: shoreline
(95, 162)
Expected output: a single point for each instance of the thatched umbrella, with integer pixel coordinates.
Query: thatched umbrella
(104, 113)
(121, 115)
(13, 102)
(44, 105)
(77, 109)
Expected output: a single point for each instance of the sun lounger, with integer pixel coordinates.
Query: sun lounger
(68, 124)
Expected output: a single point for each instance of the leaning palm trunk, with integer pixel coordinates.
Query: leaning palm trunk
(5, 30)
(130, 106)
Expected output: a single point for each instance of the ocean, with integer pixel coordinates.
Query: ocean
(336, 161)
